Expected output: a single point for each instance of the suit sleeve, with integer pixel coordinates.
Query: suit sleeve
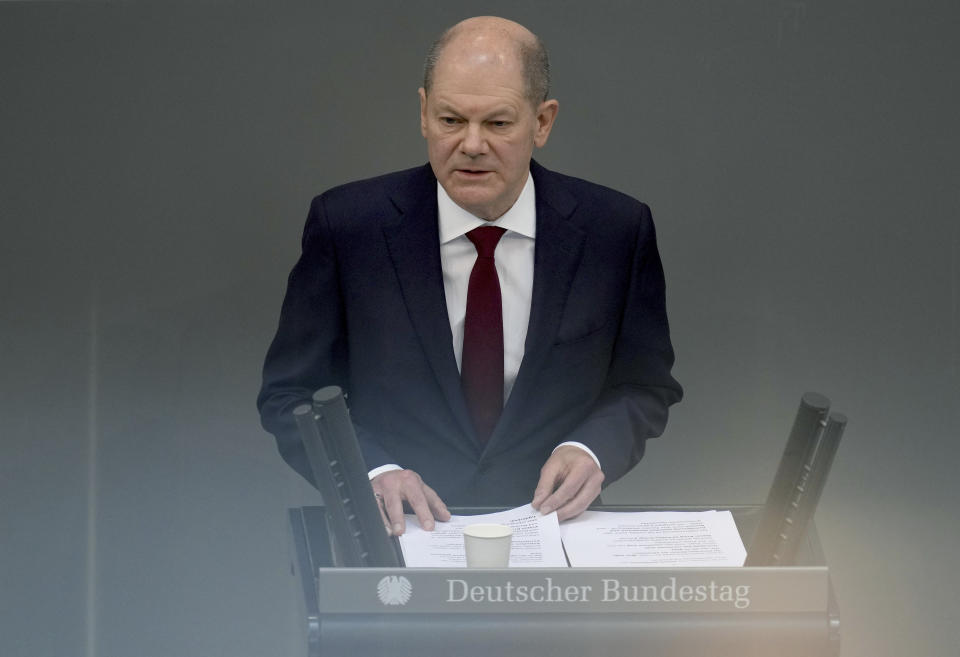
(639, 388)
(310, 348)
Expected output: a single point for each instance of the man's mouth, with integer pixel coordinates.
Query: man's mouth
(472, 173)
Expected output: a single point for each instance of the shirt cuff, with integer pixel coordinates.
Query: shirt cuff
(388, 468)
(581, 446)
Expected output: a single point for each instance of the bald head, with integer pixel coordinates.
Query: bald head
(497, 42)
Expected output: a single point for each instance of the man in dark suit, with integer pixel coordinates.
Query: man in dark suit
(500, 329)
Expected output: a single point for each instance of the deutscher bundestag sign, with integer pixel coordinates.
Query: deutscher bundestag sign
(461, 590)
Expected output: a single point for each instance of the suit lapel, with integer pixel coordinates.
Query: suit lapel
(559, 246)
(413, 241)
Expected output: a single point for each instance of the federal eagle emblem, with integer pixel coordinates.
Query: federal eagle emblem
(394, 590)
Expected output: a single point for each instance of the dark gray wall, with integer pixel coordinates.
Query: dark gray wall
(156, 163)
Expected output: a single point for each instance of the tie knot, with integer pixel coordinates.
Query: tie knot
(485, 239)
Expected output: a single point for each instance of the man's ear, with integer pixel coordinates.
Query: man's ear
(423, 111)
(546, 115)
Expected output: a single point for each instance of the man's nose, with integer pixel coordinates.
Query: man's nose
(474, 143)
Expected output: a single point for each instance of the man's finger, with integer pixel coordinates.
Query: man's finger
(420, 507)
(568, 488)
(549, 476)
(383, 513)
(439, 509)
(583, 499)
(393, 503)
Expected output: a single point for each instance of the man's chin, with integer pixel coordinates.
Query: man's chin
(471, 196)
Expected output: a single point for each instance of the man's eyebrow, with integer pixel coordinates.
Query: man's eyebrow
(498, 113)
(505, 110)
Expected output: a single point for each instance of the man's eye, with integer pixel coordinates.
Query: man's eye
(500, 124)
(448, 120)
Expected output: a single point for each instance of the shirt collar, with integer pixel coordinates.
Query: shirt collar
(520, 218)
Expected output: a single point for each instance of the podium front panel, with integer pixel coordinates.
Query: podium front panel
(656, 612)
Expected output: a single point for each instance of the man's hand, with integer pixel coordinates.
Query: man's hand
(569, 481)
(395, 487)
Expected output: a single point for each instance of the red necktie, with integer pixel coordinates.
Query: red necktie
(481, 365)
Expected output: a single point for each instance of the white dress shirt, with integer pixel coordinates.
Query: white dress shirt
(514, 261)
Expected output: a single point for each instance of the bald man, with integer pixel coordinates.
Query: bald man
(500, 329)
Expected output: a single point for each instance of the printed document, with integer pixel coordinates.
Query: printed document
(535, 544)
(594, 539)
(653, 539)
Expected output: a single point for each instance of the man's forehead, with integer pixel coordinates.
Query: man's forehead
(479, 72)
(481, 48)
(478, 62)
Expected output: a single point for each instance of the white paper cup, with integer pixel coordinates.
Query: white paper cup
(487, 545)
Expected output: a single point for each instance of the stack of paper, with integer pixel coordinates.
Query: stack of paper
(598, 539)
(536, 540)
(653, 539)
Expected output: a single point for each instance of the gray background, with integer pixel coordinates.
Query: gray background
(156, 164)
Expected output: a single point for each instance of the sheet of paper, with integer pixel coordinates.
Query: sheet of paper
(653, 539)
(536, 540)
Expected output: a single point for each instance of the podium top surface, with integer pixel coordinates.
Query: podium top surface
(803, 588)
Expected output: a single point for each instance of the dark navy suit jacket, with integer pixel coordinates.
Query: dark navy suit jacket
(365, 310)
